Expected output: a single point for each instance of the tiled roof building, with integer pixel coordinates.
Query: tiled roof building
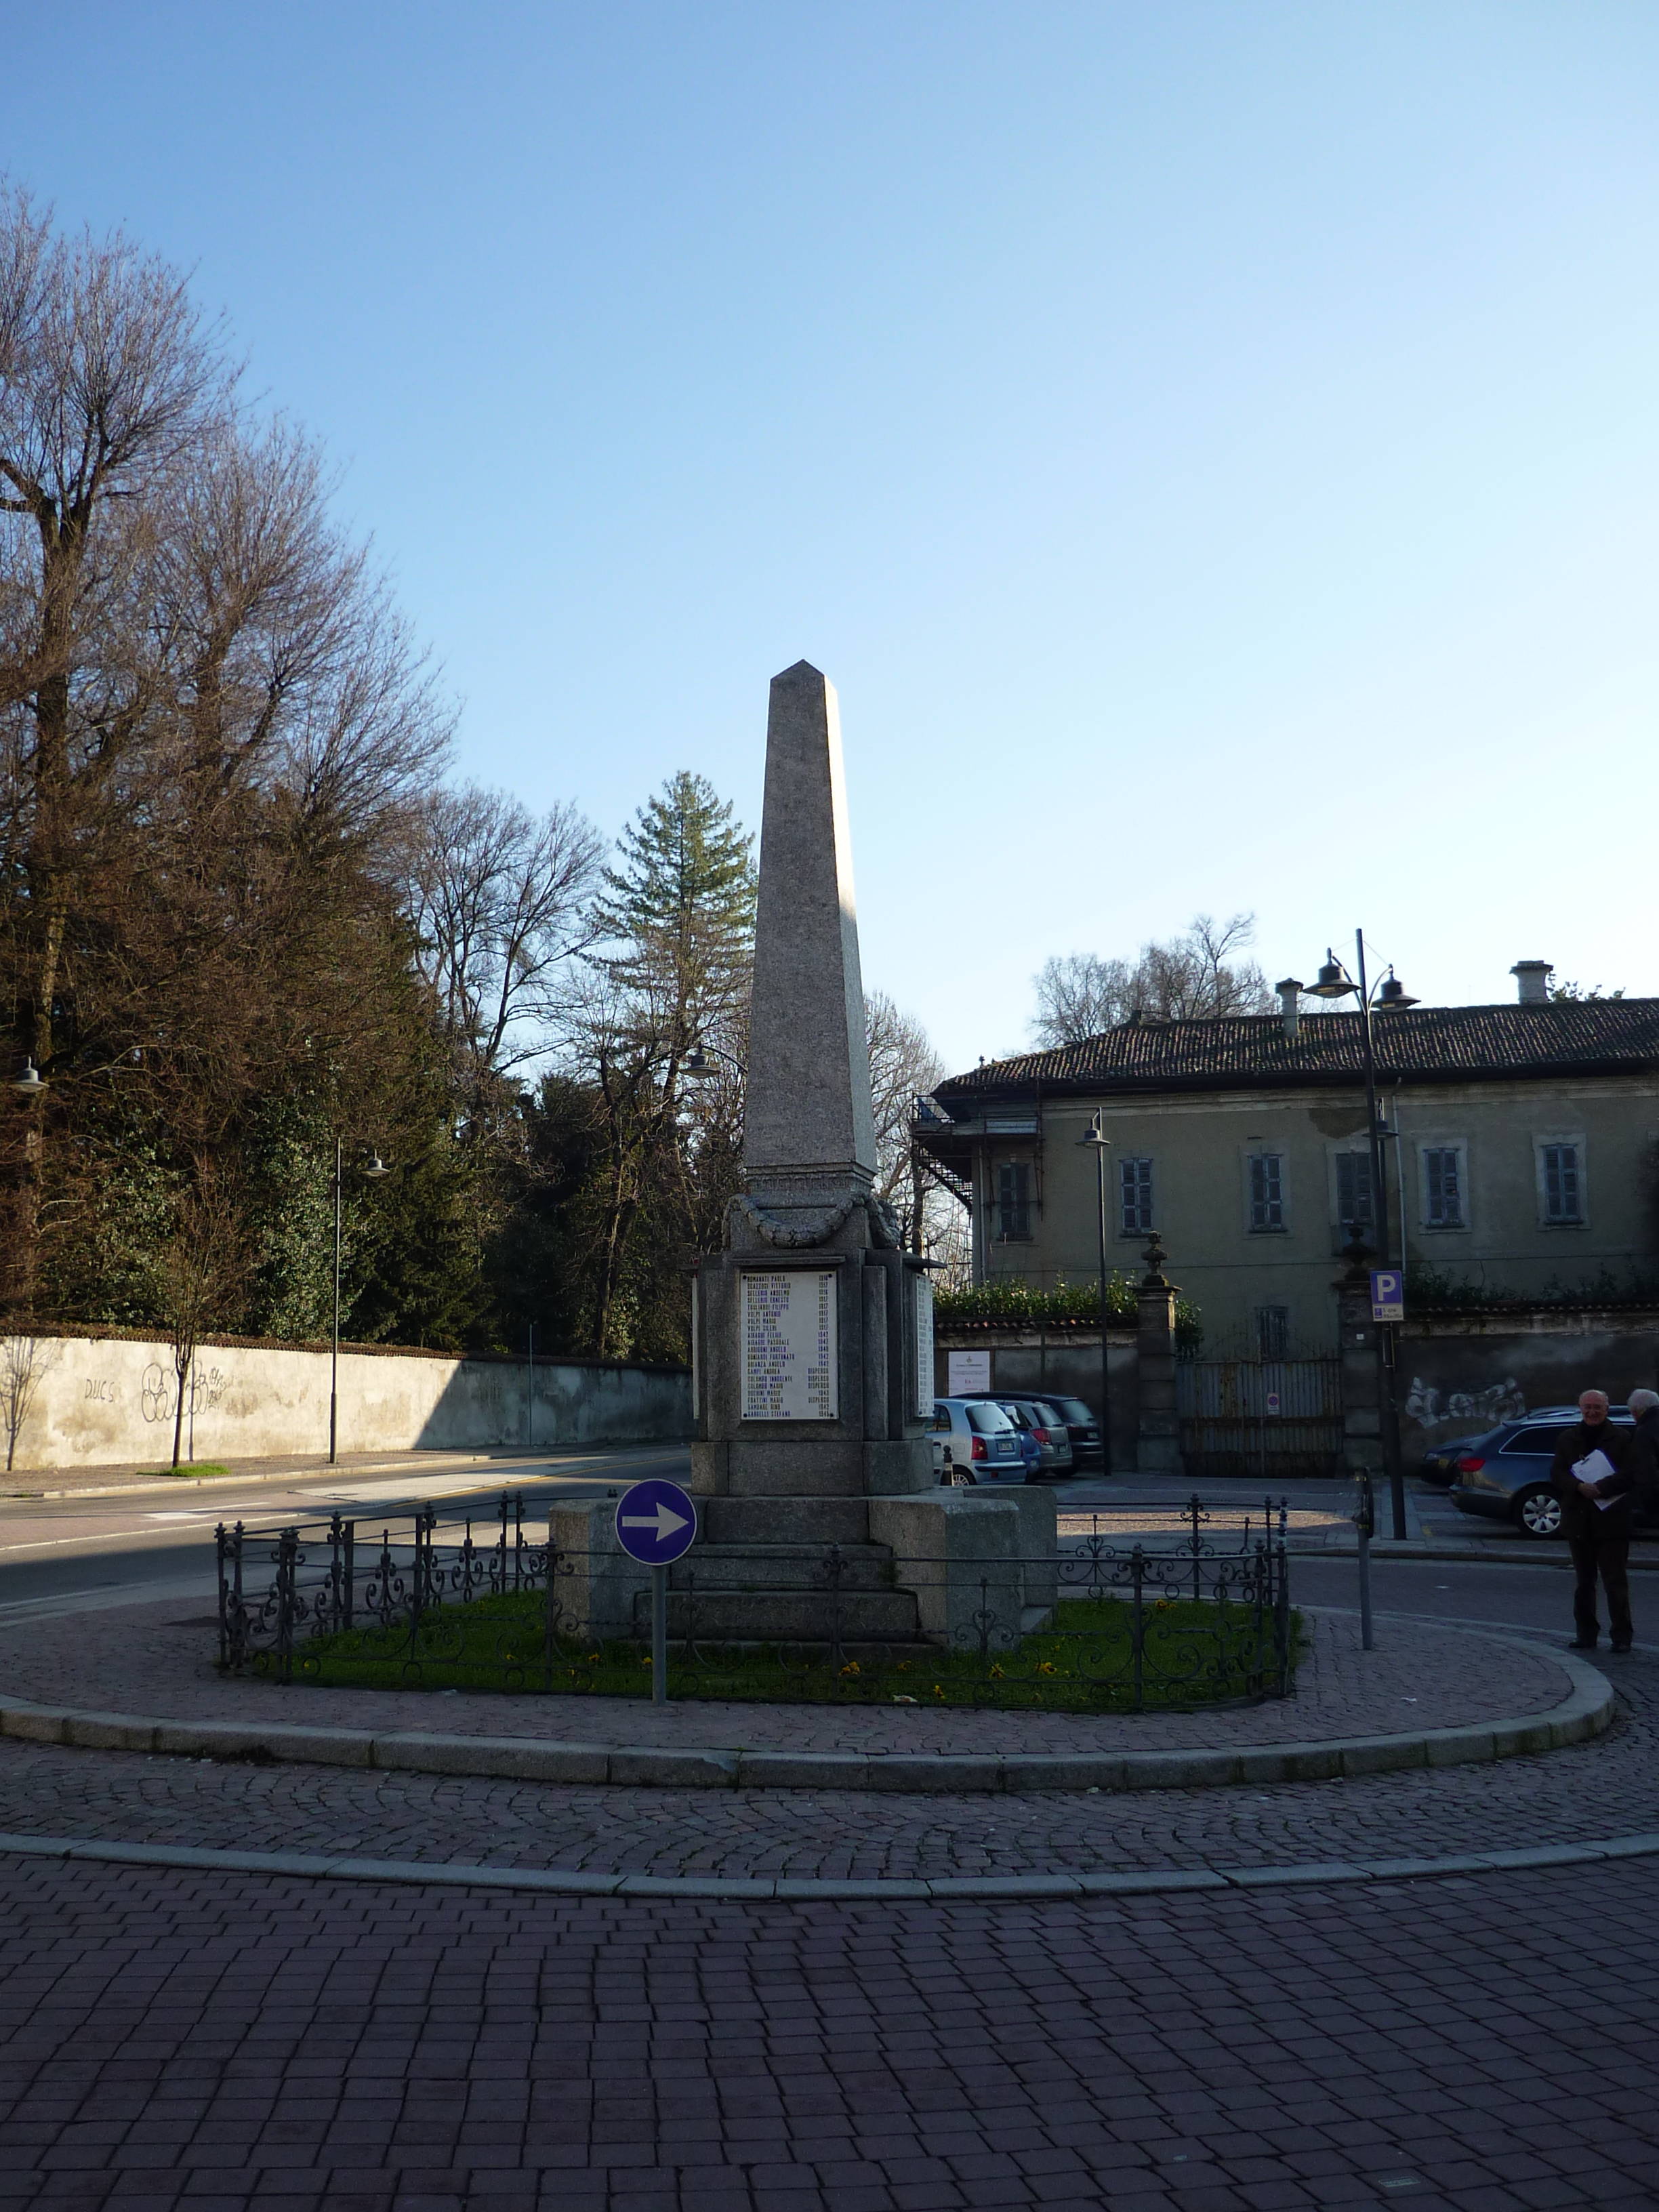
(1520, 1155)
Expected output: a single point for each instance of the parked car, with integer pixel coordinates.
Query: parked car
(1082, 1427)
(1031, 1452)
(1036, 1418)
(974, 1441)
(1440, 1462)
(1505, 1473)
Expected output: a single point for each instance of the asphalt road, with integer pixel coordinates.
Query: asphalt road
(61, 1554)
(65, 1554)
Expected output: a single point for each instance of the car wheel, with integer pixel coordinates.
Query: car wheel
(964, 1477)
(1538, 1512)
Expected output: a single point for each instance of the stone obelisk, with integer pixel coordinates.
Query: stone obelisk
(809, 1134)
(814, 1331)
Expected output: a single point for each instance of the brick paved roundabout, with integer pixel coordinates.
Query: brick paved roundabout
(1445, 1695)
(195, 2036)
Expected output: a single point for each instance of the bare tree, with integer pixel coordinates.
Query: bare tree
(903, 1066)
(1196, 976)
(501, 904)
(213, 727)
(200, 1275)
(24, 1363)
(1078, 995)
(107, 376)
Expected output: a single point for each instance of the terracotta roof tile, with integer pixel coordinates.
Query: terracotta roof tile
(1584, 1036)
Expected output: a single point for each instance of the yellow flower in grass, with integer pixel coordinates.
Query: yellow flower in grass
(851, 1667)
(939, 1690)
(996, 1673)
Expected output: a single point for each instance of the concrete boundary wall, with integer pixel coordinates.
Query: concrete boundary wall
(105, 1400)
(1461, 1373)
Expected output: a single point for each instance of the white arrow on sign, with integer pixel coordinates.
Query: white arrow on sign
(664, 1521)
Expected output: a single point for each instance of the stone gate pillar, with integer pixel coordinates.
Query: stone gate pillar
(1159, 1451)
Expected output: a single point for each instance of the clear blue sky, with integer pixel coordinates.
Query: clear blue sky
(1213, 449)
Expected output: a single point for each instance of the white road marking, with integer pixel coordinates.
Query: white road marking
(20, 1612)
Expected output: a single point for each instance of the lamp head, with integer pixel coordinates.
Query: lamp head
(1095, 1135)
(1334, 981)
(30, 1083)
(1393, 996)
(377, 1167)
(696, 1065)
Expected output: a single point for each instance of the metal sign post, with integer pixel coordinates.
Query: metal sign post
(1365, 1521)
(657, 1524)
(660, 1635)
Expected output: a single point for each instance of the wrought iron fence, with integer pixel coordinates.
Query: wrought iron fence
(1120, 1624)
(397, 1598)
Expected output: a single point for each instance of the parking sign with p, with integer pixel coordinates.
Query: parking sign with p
(1388, 1294)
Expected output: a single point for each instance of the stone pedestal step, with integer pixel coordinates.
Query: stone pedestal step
(768, 1521)
(791, 1616)
(776, 1567)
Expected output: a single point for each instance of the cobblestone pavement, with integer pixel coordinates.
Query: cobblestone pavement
(1428, 1676)
(219, 2042)
(1599, 1790)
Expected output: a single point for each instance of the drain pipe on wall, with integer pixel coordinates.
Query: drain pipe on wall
(1399, 1178)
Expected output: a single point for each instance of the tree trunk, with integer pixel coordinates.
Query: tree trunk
(179, 1408)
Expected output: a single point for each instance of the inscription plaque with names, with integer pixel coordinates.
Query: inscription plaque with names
(924, 1405)
(789, 1365)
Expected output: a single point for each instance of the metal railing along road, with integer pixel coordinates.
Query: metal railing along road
(408, 1603)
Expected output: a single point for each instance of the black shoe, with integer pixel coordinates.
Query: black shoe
(1582, 1644)
(1625, 1646)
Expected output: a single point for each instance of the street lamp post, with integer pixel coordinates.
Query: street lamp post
(376, 1168)
(1100, 1144)
(1390, 996)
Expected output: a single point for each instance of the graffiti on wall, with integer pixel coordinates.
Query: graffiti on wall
(158, 1397)
(1501, 1401)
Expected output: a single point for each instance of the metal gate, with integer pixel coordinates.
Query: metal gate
(1261, 1417)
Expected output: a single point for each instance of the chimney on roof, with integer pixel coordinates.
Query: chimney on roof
(1290, 1004)
(1533, 978)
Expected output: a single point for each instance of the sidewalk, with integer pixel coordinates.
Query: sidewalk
(1440, 1679)
(510, 1464)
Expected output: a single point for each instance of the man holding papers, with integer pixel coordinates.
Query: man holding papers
(1592, 1477)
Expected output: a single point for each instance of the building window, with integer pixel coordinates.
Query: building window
(1563, 1198)
(1273, 1331)
(1354, 1209)
(1443, 1187)
(1014, 1202)
(1266, 1191)
(1135, 1191)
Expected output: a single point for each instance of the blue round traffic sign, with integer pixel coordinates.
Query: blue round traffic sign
(656, 1523)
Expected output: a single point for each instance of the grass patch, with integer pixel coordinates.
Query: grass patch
(189, 1471)
(1192, 1654)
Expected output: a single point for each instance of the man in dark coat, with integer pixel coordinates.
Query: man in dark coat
(1598, 1536)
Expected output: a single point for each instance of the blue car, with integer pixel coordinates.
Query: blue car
(1505, 1475)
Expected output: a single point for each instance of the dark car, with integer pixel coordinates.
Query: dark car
(1505, 1475)
(1043, 1434)
(1081, 1426)
(1440, 1462)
